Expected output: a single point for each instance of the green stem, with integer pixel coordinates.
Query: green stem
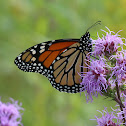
(118, 100)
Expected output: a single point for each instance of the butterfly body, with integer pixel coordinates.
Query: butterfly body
(59, 60)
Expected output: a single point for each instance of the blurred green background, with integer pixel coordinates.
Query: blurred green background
(24, 23)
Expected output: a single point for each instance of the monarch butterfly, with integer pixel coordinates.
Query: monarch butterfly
(59, 60)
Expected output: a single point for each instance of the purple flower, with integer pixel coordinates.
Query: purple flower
(10, 114)
(107, 119)
(107, 45)
(119, 70)
(94, 81)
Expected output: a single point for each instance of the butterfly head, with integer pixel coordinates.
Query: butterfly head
(85, 41)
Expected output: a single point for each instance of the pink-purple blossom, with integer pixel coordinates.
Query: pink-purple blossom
(94, 81)
(107, 45)
(10, 114)
(107, 119)
(119, 70)
(109, 67)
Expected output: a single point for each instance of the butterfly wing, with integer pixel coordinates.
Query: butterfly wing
(59, 60)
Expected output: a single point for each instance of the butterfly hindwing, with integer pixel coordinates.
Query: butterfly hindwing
(66, 68)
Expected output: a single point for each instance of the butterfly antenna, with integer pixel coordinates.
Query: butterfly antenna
(96, 23)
